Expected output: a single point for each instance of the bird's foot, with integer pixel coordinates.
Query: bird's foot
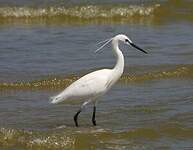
(75, 121)
(94, 122)
(76, 118)
(93, 116)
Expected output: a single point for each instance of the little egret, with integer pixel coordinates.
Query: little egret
(90, 87)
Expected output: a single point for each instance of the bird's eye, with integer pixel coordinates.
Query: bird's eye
(126, 40)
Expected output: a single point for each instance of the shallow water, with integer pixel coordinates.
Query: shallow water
(44, 48)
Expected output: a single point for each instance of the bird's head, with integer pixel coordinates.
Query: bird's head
(117, 38)
(126, 40)
(122, 37)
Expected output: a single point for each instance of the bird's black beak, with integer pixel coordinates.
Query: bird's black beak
(135, 46)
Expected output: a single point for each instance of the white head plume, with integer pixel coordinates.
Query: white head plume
(105, 43)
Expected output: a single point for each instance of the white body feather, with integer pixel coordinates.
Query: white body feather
(87, 87)
(96, 83)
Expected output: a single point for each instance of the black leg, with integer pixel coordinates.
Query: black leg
(93, 116)
(76, 118)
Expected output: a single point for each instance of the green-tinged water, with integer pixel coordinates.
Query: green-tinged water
(46, 45)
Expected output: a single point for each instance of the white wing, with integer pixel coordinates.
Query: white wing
(89, 86)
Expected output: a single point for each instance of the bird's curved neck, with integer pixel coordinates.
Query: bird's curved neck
(119, 67)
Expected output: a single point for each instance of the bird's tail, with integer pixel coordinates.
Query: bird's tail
(56, 99)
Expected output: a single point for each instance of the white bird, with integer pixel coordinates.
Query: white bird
(90, 87)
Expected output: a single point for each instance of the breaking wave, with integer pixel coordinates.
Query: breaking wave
(73, 139)
(179, 72)
(81, 14)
